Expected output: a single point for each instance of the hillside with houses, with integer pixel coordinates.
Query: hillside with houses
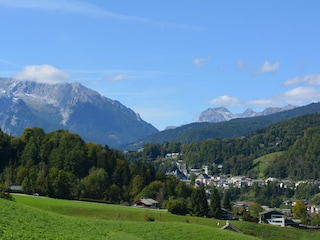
(275, 167)
(280, 214)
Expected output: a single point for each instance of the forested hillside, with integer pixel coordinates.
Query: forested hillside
(302, 160)
(196, 132)
(60, 164)
(237, 154)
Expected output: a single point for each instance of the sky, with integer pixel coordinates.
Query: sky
(169, 60)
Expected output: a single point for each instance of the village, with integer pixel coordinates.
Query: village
(276, 216)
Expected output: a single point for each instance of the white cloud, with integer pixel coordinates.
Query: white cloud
(225, 101)
(42, 74)
(118, 77)
(264, 102)
(268, 67)
(8, 63)
(301, 96)
(91, 10)
(73, 6)
(200, 62)
(313, 80)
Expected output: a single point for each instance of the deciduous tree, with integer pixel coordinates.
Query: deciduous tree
(300, 210)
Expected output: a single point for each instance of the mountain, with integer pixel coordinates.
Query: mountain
(69, 106)
(237, 127)
(222, 114)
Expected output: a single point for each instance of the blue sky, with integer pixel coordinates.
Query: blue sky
(169, 60)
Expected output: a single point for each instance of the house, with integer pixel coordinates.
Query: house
(195, 171)
(225, 214)
(287, 203)
(203, 178)
(146, 203)
(238, 181)
(286, 184)
(244, 204)
(271, 179)
(172, 155)
(273, 217)
(180, 175)
(230, 227)
(257, 182)
(313, 209)
(15, 188)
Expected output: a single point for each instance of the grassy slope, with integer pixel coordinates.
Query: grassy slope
(264, 231)
(101, 221)
(19, 221)
(262, 162)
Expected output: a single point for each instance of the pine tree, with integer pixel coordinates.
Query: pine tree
(198, 202)
(215, 203)
(226, 203)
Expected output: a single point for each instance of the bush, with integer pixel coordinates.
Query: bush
(148, 217)
(248, 218)
(177, 207)
(5, 195)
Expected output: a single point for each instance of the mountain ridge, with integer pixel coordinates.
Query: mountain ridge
(68, 106)
(237, 127)
(221, 114)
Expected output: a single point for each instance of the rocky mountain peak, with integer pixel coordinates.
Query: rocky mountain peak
(69, 106)
(221, 114)
(248, 111)
(218, 114)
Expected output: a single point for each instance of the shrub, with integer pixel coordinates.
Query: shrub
(148, 217)
(5, 195)
(177, 207)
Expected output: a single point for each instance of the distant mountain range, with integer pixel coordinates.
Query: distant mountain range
(98, 119)
(68, 106)
(222, 114)
(236, 127)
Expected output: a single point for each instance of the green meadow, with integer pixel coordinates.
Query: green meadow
(45, 218)
(262, 162)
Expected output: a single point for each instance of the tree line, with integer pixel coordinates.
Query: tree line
(60, 164)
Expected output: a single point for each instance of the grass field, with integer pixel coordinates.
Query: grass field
(262, 162)
(45, 218)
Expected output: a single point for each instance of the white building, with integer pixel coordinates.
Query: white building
(273, 217)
